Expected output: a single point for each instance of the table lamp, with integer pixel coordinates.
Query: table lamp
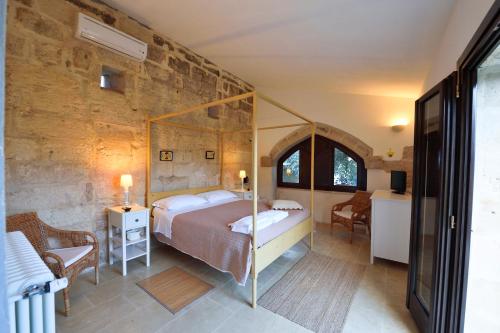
(126, 182)
(243, 175)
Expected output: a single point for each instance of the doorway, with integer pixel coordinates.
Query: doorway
(483, 282)
(475, 284)
(454, 280)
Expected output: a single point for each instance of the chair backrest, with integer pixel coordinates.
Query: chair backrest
(32, 227)
(360, 200)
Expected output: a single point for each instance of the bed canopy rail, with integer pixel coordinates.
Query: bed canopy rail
(266, 254)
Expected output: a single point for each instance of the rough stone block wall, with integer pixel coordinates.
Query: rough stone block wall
(189, 168)
(67, 140)
(237, 156)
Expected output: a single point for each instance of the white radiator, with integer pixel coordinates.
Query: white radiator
(30, 287)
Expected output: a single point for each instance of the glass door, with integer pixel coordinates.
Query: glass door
(476, 285)
(433, 157)
(483, 281)
(428, 197)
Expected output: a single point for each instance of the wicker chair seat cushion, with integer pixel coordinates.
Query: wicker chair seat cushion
(70, 255)
(346, 213)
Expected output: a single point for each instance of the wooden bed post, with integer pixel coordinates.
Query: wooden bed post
(267, 253)
(255, 199)
(148, 163)
(313, 134)
(221, 155)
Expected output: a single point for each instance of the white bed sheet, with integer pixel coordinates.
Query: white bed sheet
(163, 218)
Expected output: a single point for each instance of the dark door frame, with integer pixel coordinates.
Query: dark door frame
(485, 38)
(433, 320)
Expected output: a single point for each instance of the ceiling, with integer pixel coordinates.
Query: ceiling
(373, 47)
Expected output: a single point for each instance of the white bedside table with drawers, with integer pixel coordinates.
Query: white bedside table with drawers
(122, 248)
(243, 194)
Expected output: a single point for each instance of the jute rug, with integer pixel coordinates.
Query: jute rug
(174, 288)
(316, 293)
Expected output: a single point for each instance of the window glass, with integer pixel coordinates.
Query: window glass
(291, 168)
(336, 167)
(345, 170)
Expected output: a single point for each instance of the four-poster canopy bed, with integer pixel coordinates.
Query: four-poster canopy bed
(266, 253)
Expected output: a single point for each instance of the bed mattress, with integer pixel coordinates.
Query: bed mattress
(203, 233)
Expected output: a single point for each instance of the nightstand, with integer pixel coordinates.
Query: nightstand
(119, 222)
(243, 194)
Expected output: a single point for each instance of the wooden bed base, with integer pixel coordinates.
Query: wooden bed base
(262, 256)
(266, 254)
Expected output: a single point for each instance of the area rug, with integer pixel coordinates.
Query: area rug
(174, 288)
(316, 293)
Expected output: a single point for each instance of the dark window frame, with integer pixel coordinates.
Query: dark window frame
(323, 180)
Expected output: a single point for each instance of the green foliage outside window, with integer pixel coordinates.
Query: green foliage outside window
(291, 168)
(345, 171)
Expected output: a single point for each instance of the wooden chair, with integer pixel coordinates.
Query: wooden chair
(358, 213)
(76, 250)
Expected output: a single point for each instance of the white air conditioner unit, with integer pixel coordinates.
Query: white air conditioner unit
(96, 32)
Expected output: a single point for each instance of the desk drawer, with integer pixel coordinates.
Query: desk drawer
(135, 220)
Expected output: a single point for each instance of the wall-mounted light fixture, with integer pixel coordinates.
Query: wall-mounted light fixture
(390, 152)
(399, 125)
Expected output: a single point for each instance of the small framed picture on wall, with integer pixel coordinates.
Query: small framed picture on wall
(166, 155)
(210, 155)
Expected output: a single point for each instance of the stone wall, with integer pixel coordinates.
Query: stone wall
(237, 156)
(67, 140)
(190, 168)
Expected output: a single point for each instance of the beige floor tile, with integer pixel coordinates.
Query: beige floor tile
(361, 319)
(117, 304)
(205, 316)
(258, 320)
(79, 303)
(95, 318)
(398, 320)
(149, 318)
(232, 296)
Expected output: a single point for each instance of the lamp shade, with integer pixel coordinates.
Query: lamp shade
(243, 174)
(126, 181)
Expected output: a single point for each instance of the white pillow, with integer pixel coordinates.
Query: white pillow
(286, 204)
(218, 195)
(177, 202)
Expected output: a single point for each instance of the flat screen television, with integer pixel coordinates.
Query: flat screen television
(398, 181)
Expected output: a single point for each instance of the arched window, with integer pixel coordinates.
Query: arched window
(337, 168)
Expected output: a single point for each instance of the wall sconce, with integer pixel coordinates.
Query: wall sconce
(390, 152)
(399, 125)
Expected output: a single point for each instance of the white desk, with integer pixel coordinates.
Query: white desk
(390, 226)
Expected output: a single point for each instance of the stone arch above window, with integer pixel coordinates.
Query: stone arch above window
(337, 168)
(350, 141)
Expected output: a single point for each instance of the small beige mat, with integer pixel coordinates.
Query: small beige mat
(174, 288)
(316, 293)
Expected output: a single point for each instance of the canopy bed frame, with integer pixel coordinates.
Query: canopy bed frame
(264, 255)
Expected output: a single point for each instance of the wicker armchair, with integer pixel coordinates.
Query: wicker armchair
(359, 212)
(76, 250)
